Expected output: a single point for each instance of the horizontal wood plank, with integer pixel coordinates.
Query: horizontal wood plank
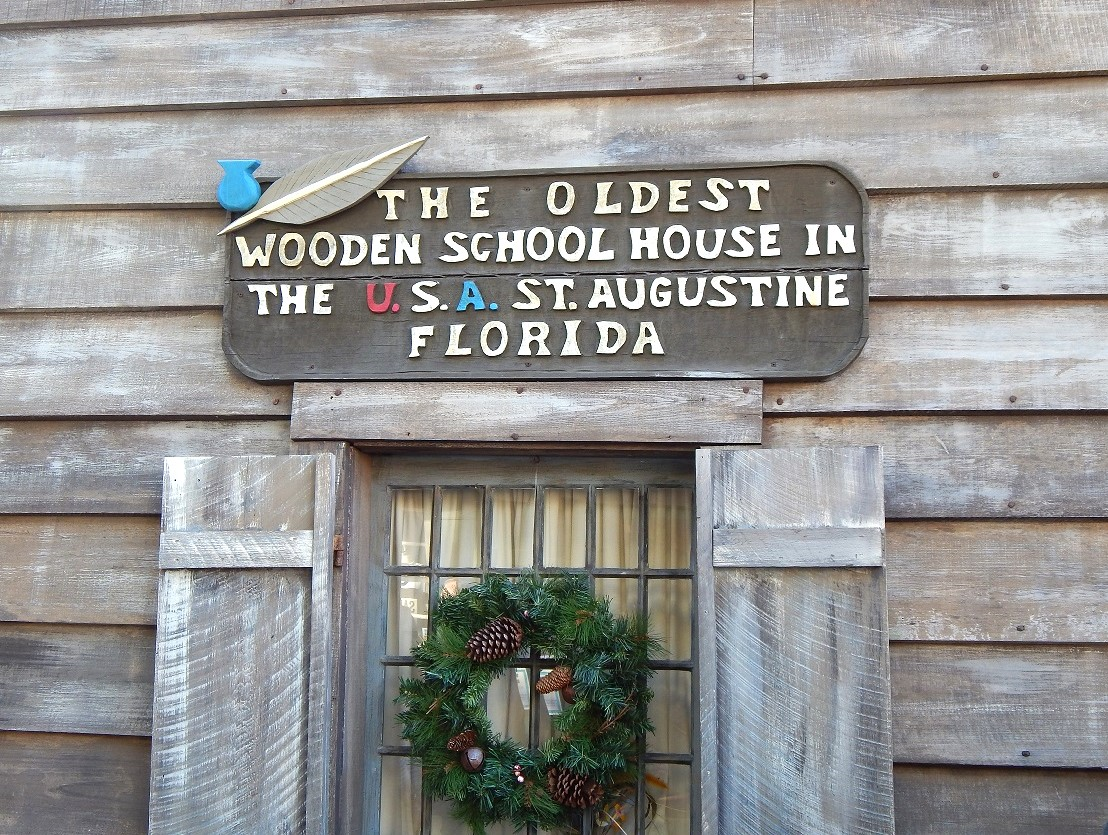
(79, 569)
(149, 260)
(931, 136)
(1014, 705)
(389, 56)
(76, 679)
(797, 548)
(976, 467)
(952, 703)
(806, 41)
(989, 243)
(60, 12)
(95, 785)
(126, 364)
(998, 581)
(938, 800)
(1012, 580)
(957, 356)
(923, 245)
(236, 549)
(113, 466)
(697, 412)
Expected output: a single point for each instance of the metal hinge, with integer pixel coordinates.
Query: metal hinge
(339, 550)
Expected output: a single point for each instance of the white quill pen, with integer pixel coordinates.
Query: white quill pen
(327, 185)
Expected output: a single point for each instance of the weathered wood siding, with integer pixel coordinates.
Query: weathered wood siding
(978, 130)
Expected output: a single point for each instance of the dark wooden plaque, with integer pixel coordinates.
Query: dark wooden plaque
(754, 272)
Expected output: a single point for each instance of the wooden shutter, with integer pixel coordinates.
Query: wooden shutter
(793, 626)
(242, 673)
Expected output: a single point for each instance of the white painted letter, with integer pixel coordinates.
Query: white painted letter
(257, 255)
(612, 337)
(391, 195)
(349, 244)
(438, 202)
(262, 290)
(477, 200)
(552, 198)
(420, 334)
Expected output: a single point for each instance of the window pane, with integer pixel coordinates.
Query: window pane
(669, 513)
(509, 705)
(669, 787)
(452, 585)
(671, 712)
(407, 624)
(461, 531)
(513, 528)
(564, 527)
(391, 735)
(669, 603)
(617, 528)
(401, 790)
(623, 592)
(411, 526)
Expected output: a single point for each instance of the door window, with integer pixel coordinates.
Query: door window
(443, 523)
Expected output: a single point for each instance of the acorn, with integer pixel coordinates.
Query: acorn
(472, 759)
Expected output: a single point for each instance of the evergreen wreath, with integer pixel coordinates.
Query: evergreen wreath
(600, 666)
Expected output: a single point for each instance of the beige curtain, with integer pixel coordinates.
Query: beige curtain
(512, 545)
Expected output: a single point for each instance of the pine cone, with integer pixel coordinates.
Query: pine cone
(499, 638)
(572, 789)
(459, 742)
(556, 679)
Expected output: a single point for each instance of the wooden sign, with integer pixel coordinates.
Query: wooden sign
(712, 272)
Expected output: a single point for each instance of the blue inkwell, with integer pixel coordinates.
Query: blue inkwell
(238, 190)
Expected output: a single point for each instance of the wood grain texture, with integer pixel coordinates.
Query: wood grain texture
(922, 245)
(988, 704)
(222, 549)
(959, 356)
(147, 260)
(947, 580)
(112, 467)
(65, 783)
(231, 702)
(931, 136)
(998, 581)
(44, 12)
(79, 569)
(76, 679)
(714, 412)
(798, 548)
(126, 364)
(989, 243)
(383, 57)
(936, 800)
(249, 493)
(801, 709)
(241, 693)
(972, 467)
(806, 41)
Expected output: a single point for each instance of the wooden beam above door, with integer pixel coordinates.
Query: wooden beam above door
(677, 412)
